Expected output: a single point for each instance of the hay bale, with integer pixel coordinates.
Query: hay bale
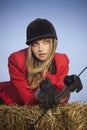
(64, 117)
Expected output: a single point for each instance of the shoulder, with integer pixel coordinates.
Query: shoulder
(61, 59)
(19, 57)
(22, 52)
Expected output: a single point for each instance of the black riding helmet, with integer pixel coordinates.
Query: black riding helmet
(38, 29)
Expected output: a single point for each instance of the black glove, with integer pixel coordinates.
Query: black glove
(47, 94)
(73, 82)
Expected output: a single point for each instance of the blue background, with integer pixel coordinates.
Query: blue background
(70, 20)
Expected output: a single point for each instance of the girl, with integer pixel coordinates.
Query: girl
(36, 72)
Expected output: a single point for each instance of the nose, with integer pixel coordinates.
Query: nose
(41, 48)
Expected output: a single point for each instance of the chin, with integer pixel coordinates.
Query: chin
(42, 60)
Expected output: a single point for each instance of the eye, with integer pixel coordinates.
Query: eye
(47, 41)
(34, 43)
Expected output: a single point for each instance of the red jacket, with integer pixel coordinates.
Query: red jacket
(15, 91)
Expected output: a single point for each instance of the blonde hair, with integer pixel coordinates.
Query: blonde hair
(37, 72)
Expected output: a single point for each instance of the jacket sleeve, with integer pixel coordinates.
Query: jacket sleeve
(62, 68)
(18, 78)
(62, 71)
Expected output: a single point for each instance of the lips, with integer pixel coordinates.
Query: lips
(42, 54)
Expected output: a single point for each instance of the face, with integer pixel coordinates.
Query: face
(41, 49)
